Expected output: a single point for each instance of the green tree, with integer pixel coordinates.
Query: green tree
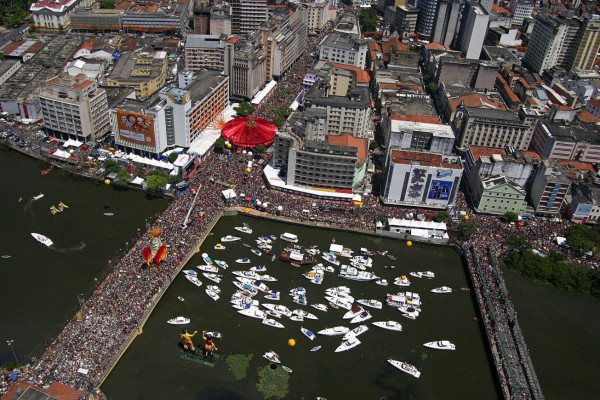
(220, 143)
(517, 242)
(157, 172)
(260, 150)
(466, 229)
(245, 109)
(373, 145)
(172, 157)
(442, 216)
(580, 238)
(174, 179)
(155, 182)
(111, 166)
(510, 216)
(123, 177)
(279, 121)
(107, 4)
(433, 88)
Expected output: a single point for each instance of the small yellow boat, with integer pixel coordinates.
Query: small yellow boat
(63, 205)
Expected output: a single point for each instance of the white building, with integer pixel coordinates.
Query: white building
(7, 68)
(317, 15)
(342, 49)
(521, 9)
(473, 30)
(418, 136)
(419, 179)
(55, 14)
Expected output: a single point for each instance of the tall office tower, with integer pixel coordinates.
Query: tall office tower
(447, 21)
(589, 43)
(426, 18)
(521, 9)
(473, 29)
(247, 15)
(553, 42)
(487, 5)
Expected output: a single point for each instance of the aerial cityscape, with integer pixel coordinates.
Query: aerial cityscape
(448, 147)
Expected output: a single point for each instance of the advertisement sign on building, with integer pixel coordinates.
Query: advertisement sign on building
(440, 190)
(136, 127)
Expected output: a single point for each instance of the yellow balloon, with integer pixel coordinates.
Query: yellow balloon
(409, 243)
(466, 217)
(107, 181)
(248, 170)
(228, 145)
(291, 342)
(246, 210)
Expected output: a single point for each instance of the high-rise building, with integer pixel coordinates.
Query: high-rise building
(247, 15)
(245, 64)
(447, 21)
(589, 43)
(74, 107)
(204, 51)
(473, 29)
(406, 19)
(317, 15)
(426, 18)
(521, 9)
(344, 49)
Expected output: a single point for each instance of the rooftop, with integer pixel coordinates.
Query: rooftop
(418, 158)
(361, 144)
(572, 133)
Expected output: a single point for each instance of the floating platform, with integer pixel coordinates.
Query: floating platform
(199, 358)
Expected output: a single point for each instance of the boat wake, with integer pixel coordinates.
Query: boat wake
(79, 246)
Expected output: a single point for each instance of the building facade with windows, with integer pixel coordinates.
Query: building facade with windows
(549, 189)
(566, 142)
(145, 72)
(204, 51)
(55, 14)
(343, 49)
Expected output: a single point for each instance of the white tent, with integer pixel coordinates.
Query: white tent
(71, 142)
(229, 194)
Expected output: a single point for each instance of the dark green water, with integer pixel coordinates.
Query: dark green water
(39, 285)
(152, 369)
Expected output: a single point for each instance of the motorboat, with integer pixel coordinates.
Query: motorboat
(272, 356)
(219, 246)
(348, 344)
(315, 277)
(300, 299)
(273, 313)
(308, 333)
(244, 260)
(246, 288)
(337, 302)
(381, 282)
(304, 314)
(410, 313)
(263, 240)
(244, 229)
(401, 281)
(179, 321)
(295, 256)
(42, 239)
(353, 312)
(253, 312)
(213, 277)
(267, 278)
(361, 262)
(363, 316)
(273, 323)
(214, 335)
(254, 283)
(405, 367)
(208, 268)
(359, 330)
(313, 251)
(320, 307)
(391, 256)
(416, 274)
(442, 289)
(428, 275)
(389, 266)
(273, 257)
(335, 331)
(330, 258)
(273, 237)
(193, 279)
(279, 308)
(440, 345)
(189, 272)
(297, 318)
(286, 369)
(221, 264)
(243, 304)
(371, 303)
(108, 214)
(230, 238)
(355, 274)
(180, 298)
(266, 248)
(213, 292)
(340, 250)
(39, 196)
(207, 260)
(316, 348)
(339, 291)
(247, 274)
(273, 295)
(298, 291)
(389, 325)
(256, 251)
(365, 252)
(289, 237)
(258, 268)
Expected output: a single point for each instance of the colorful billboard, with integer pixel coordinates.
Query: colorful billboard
(440, 190)
(136, 127)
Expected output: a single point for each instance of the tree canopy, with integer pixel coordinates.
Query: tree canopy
(442, 216)
(13, 12)
(245, 109)
(510, 216)
(111, 166)
(173, 156)
(107, 4)
(581, 238)
(123, 177)
(368, 20)
(155, 182)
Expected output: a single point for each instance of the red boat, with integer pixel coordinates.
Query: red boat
(295, 256)
(46, 171)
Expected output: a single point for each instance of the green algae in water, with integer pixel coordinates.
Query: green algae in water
(238, 364)
(273, 382)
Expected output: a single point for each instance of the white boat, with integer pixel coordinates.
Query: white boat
(361, 262)
(230, 238)
(308, 333)
(214, 335)
(108, 214)
(273, 295)
(246, 288)
(337, 302)
(359, 330)
(243, 304)
(353, 312)
(416, 274)
(208, 268)
(244, 260)
(315, 277)
(273, 313)
(279, 308)
(266, 248)
(382, 282)
(286, 369)
(207, 259)
(213, 292)
(258, 268)
(221, 264)
(348, 344)
(316, 348)
(247, 274)
(256, 251)
(179, 321)
(39, 196)
(267, 278)
(440, 345)
(300, 299)
(410, 314)
(313, 251)
(371, 303)
(273, 323)
(289, 237)
(340, 250)
(428, 275)
(243, 229)
(363, 316)
(263, 240)
(189, 272)
(304, 314)
(254, 283)
(320, 307)
(298, 291)
(405, 367)
(253, 312)
(401, 281)
(193, 279)
(219, 246)
(273, 237)
(442, 289)
(355, 274)
(330, 258)
(42, 239)
(340, 291)
(272, 356)
(213, 277)
(335, 331)
(366, 252)
(389, 325)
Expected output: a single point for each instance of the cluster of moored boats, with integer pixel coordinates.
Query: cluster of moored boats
(250, 282)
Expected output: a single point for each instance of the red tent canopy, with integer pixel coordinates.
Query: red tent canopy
(246, 132)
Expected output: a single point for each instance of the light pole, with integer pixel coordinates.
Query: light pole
(81, 300)
(9, 342)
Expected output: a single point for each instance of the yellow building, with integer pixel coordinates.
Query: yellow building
(144, 72)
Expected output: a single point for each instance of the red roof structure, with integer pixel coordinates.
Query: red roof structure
(247, 132)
